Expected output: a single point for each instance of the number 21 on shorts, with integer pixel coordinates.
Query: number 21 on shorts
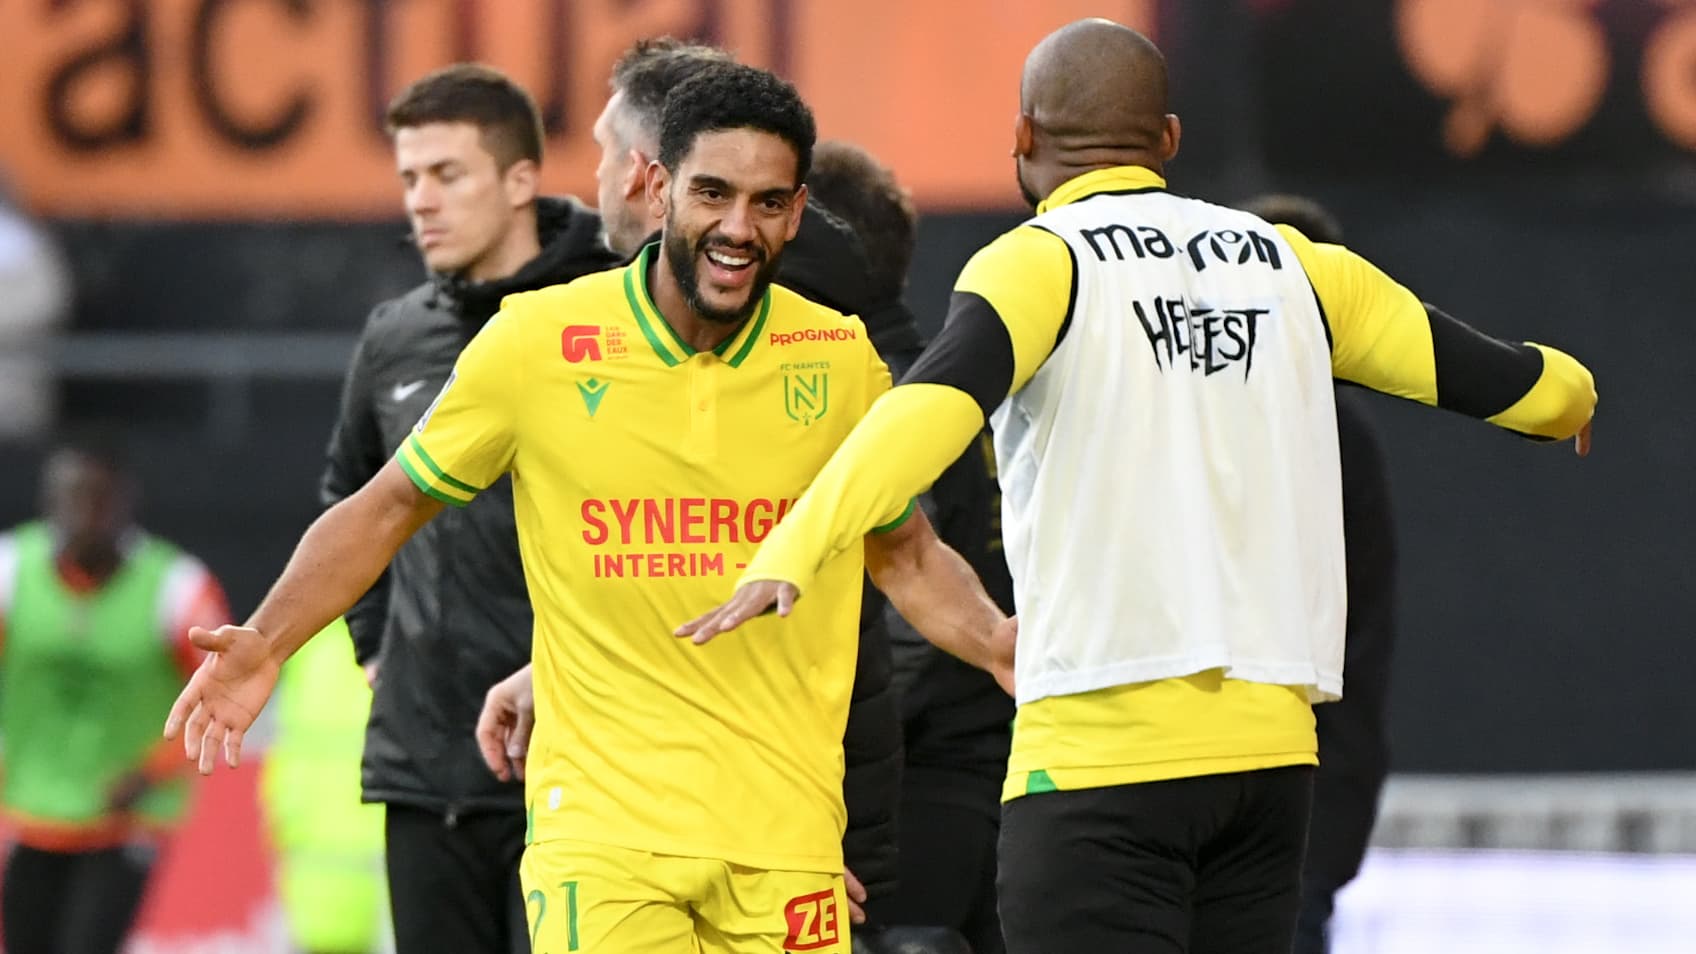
(536, 904)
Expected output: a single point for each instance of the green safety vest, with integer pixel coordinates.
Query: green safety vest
(86, 681)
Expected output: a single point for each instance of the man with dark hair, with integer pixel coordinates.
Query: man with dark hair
(1158, 373)
(1354, 744)
(452, 616)
(852, 184)
(94, 622)
(657, 419)
(955, 719)
(827, 263)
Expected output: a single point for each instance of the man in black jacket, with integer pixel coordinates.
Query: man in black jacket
(1354, 747)
(827, 263)
(956, 722)
(452, 617)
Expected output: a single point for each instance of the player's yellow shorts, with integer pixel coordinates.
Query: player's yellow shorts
(605, 900)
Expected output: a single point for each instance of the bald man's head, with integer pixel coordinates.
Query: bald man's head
(1093, 94)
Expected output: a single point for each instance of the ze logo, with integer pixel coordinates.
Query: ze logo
(1538, 69)
(806, 396)
(812, 921)
(580, 343)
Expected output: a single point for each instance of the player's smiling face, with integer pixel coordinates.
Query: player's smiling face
(732, 204)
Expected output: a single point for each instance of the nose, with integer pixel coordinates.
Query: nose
(424, 196)
(738, 223)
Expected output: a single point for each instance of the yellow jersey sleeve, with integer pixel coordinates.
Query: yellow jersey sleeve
(878, 383)
(1010, 309)
(1027, 277)
(465, 440)
(1384, 337)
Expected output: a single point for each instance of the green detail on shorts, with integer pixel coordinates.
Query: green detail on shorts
(570, 915)
(541, 902)
(753, 333)
(898, 521)
(1038, 782)
(529, 823)
(423, 484)
(444, 476)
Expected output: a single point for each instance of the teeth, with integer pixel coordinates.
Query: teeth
(729, 261)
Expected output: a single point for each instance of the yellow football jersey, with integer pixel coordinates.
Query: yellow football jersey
(644, 476)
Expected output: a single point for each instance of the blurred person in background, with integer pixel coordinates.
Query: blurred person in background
(452, 616)
(37, 281)
(826, 263)
(1354, 744)
(956, 722)
(94, 621)
(328, 844)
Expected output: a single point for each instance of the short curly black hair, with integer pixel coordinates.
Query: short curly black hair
(729, 95)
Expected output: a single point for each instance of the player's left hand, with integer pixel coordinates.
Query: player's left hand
(751, 600)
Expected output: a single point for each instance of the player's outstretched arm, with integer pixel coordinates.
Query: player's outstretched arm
(935, 590)
(341, 554)
(1384, 337)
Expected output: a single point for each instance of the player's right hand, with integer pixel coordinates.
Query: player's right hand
(224, 696)
(1581, 443)
(503, 727)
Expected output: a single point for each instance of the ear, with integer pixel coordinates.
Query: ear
(520, 183)
(658, 184)
(1169, 138)
(795, 212)
(1024, 136)
(635, 174)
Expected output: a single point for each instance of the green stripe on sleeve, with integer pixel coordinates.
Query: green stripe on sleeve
(899, 520)
(423, 483)
(445, 477)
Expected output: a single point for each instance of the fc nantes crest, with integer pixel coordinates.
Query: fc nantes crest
(806, 396)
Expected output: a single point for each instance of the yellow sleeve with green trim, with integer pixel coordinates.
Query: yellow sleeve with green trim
(878, 383)
(465, 440)
(1387, 339)
(1009, 310)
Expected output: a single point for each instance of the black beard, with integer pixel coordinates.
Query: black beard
(1025, 190)
(681, 258)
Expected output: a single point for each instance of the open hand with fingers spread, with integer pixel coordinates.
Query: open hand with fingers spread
(750, 600)
(225, 695)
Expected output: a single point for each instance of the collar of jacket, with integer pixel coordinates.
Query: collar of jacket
(572, 246)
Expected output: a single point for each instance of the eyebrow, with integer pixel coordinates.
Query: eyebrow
(704, 181)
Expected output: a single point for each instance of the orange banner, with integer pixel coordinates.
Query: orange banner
(273, 108)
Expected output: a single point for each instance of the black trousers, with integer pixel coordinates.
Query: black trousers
(453, 882)
(1207, 865)
(947, 872)
(73, 902)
